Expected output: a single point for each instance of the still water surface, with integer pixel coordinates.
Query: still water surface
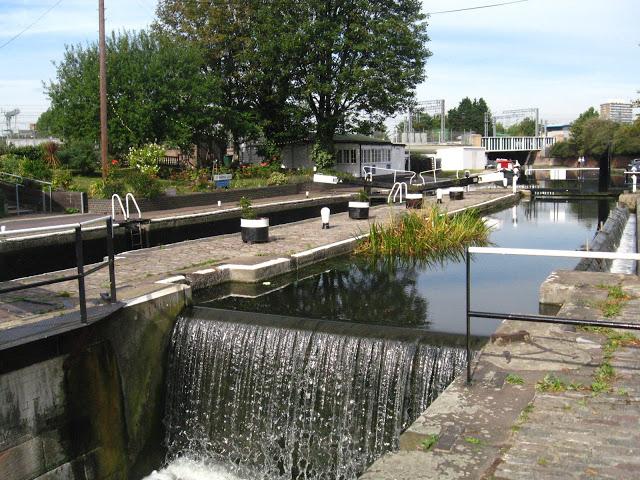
(431, 296)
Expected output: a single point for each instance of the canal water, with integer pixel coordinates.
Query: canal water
(272, 398)
(431, 296)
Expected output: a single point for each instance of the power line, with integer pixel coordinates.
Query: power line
(31, 25)
(477, 8)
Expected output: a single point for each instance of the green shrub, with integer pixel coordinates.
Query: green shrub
(123, 181)
(146, 158)
(80, 156)
(248, 212)
(143, 185)
(10, 163)
(32, 152)
(62, 179)
(322, 159)
(277, 178)
(34, 168)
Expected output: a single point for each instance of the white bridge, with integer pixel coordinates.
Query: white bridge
(515, 144)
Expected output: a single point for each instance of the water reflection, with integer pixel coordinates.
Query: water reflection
(361, 290)
(430, 296)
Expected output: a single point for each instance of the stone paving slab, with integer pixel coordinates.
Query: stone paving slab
(501, 427)
(138, 271)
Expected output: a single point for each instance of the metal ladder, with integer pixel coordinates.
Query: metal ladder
(396, 192)
(134, 227)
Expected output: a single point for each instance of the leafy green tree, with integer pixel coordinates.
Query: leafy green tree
(524, 128)
(468, 115)
(342, 63)
(577, 128)
(157, 92)
(597, 136)
(626, 140)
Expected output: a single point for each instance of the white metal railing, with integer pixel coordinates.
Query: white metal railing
(368, 170)
(536, 318)
(510, 144)
(396, 191)
(135, 204)
(534, 252)
(35, 180)
(115, 197)
(48, 228)
(429, 171)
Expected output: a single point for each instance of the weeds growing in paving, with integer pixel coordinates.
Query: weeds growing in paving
(616, 299)
(473, 440)
(523, 417)
(513, 379)
(428, 443)
(603, 375)
(431, 235)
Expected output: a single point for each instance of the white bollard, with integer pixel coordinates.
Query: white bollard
(634, 180)
(504, 182)
(2, 228)
(219, 203)
(515, 183)
(324, 214)
(439, 195)
(306, 194)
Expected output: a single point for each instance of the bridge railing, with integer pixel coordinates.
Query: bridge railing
(510, 144)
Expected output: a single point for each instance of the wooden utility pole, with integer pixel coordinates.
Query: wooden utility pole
(104, 142)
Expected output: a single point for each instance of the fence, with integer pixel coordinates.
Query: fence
(537, 318)
(81, 273)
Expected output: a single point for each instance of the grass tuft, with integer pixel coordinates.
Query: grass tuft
(432, 236)
(514, 379)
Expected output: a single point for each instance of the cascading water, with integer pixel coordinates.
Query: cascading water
(287, 403)
(627, 245)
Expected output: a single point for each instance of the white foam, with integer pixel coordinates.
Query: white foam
(189, 469)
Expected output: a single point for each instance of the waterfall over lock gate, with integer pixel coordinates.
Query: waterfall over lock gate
(287, 403)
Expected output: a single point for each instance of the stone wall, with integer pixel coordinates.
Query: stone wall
(606, 240)
(89, 404)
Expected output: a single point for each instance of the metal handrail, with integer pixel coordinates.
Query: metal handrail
(55, 227)
(135, 204)
(537, 318)
(115, 197)
(368, 175)
(424, 182)
(81, 273)
(397, 190)
(42, 182)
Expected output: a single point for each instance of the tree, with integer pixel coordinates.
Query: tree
(343, 63)
(157, 91)
(524, 128)
(468, 115)
(577, 127)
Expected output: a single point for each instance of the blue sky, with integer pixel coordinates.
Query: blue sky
(562, 56)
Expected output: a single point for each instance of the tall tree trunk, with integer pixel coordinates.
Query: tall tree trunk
(326, 129)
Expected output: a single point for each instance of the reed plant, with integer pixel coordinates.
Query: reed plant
(429, 235)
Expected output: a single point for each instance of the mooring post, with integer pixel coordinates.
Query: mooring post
(112, 262)
(468, 265)
(80, 264)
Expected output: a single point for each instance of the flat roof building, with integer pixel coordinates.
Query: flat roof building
(617, 111)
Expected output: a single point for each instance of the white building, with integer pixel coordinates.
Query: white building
(353, 152)
(454, 157)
